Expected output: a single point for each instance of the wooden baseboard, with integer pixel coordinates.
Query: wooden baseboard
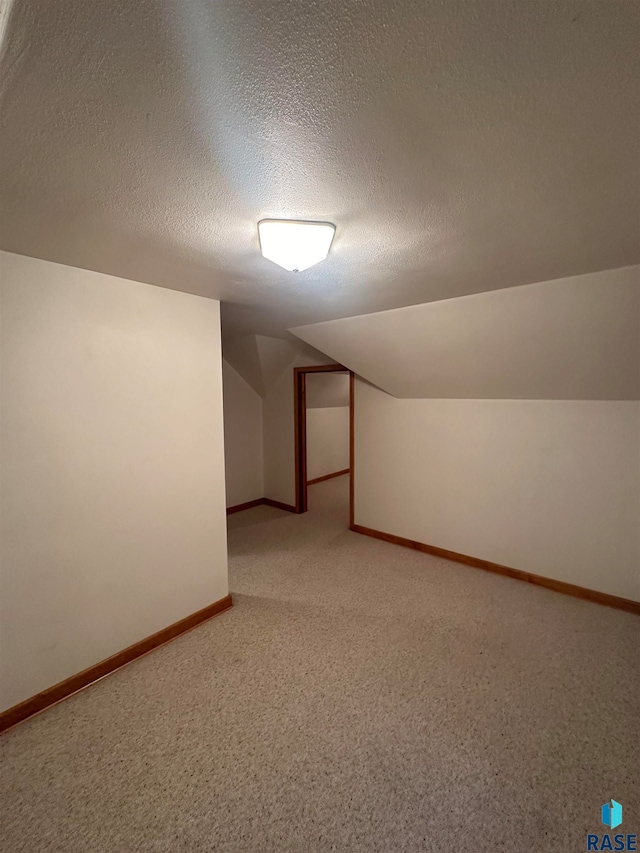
(53, 695)
(247, 505)
(328, 477)
(278, 505)
(261, 502)
(549, 583)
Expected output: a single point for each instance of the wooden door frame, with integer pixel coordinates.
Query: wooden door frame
(300, 430)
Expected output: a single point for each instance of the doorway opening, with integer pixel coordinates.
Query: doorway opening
(307, 470)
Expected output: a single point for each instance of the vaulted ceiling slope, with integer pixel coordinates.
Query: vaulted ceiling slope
(573, 339)
(262, 360)
(458, 146)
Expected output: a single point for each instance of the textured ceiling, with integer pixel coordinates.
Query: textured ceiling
(573, 339)
(458, 146)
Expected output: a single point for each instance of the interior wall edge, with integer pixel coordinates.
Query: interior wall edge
(112, 467)
(550, 487)
(574, 590)
(64, 689)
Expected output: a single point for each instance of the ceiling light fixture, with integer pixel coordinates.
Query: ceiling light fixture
(295, 245)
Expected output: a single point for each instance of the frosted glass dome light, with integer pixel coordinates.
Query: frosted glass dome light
(295, 245)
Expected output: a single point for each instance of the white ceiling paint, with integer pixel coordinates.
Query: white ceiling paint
(327, 390)
(458, 146)
(573, 339)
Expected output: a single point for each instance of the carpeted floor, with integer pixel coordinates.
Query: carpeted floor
(359, 697)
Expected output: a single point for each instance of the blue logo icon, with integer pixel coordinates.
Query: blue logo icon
(612, 817)
(612, 814)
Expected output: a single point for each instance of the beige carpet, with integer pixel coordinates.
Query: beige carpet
(359, 697)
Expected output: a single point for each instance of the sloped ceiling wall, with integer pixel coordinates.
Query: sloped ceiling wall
(262, 360)
(572, 338)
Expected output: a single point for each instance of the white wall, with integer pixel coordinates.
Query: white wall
(278, 436)
(327, 441)
(242, 438)
(549, 487)
(113, 517)
(324, 390)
